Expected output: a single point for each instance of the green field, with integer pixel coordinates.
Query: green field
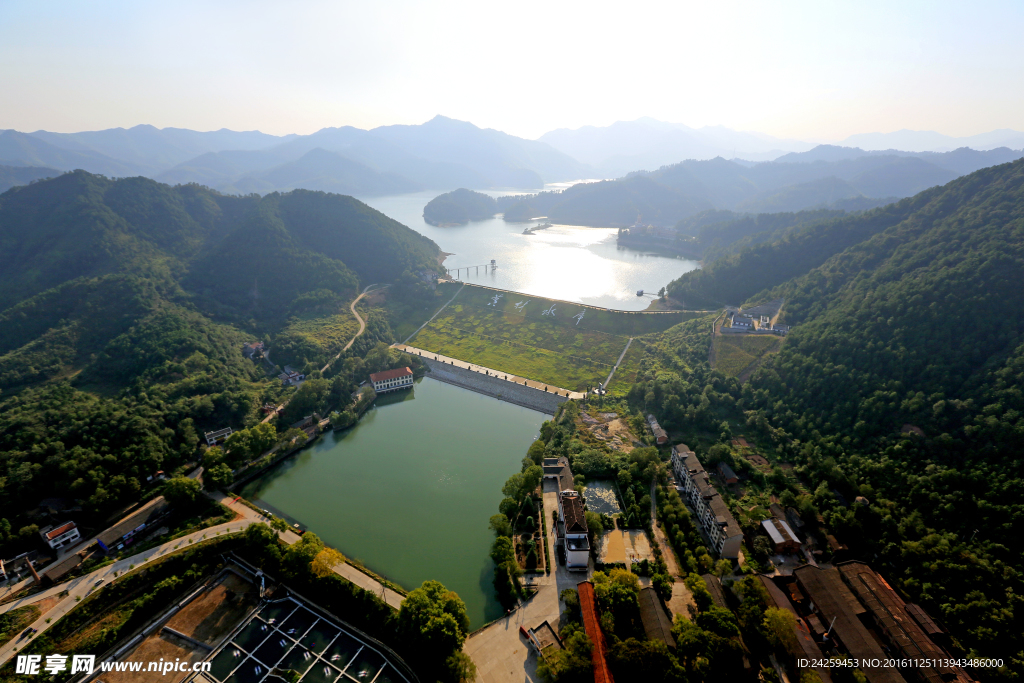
(556, 349)
(736, 353)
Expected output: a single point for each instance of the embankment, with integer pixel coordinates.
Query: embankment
(528, 397)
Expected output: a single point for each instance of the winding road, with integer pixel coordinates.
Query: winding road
(362, 326)
(76, 589)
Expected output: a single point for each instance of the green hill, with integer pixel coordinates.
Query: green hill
(458, 207)
(896, 395)
(124, 305)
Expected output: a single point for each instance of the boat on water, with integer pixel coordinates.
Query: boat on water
(530, 231)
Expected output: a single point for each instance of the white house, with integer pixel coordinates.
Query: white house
(217, 436)
(574, 530)
(391, 380)
(61, 535)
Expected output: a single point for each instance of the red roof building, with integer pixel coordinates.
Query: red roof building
(588, 604)
(391, 380)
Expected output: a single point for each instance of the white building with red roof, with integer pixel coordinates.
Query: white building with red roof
(61, 535)
(391, 380)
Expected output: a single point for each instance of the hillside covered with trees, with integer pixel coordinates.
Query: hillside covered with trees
(458, 207)
(674, 193)
(124, 306)
(898, 383)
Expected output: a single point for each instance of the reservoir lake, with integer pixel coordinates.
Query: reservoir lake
(565, 262)
(409, 489)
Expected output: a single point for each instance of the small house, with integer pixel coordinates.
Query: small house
(61, 535)
(782, 536)
(573, 523)
(391, 380)
(726, 473)
(740, 321)
(252, 349)
(291, 378)
(660, 435)
(217, 436)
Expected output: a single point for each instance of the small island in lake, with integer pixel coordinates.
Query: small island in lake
(459, 207)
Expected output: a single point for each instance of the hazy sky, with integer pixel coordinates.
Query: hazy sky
(816, 70)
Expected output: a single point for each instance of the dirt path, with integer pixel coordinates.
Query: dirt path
(681, 598)
(362, 327)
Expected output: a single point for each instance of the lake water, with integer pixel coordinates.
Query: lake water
(408, 490)
(563, 262)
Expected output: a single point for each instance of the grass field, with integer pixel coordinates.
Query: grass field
(625, 376)
(736, 353)
(557, 349)
(313, 338)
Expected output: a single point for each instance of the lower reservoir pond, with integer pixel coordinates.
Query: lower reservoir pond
(408, 490)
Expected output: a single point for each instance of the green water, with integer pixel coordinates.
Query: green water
(408, 491)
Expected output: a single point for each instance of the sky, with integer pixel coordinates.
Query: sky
(816, 71)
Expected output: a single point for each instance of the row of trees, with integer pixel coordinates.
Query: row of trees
(427, 631)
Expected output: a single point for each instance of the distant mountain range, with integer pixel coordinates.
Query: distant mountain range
(666, 171)
(649, 144)
(825, 177)
(440, 154)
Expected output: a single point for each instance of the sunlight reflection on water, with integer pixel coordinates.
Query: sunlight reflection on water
(563, 262)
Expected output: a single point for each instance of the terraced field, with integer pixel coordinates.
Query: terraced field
(513, 333)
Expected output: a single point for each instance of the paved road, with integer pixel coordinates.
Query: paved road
(500, 653)
(79, 588)
(622, 355)
(482, 369)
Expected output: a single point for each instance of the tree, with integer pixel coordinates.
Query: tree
(434, 622)
(719, 621)
(326, 560)
(502, 550)
(262, 543)
(182, 491)
(723, 568)
(699, 590)
(278, 524)
(572, 663)
(536, 451)
(500, 525)
(298, 558)
(509, 507)
(663, 586)
(513, 488)
(219, 476)
(779, 625)
(461, 668)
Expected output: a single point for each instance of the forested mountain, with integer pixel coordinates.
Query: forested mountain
(672, 193)
(916, 325)
(960, 161)
(152, 148)
(458, 207)
(896, 395)
(326, 171)
(22, 175)
(124, 305)
(20, 149)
